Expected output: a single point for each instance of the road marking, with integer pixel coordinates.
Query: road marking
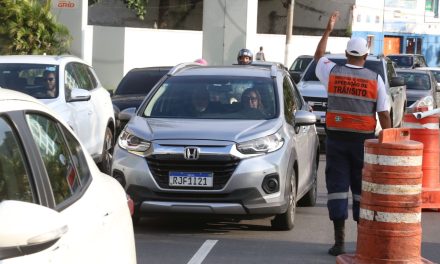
(202, 252)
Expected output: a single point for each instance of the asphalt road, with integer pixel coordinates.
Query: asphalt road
(169, 240)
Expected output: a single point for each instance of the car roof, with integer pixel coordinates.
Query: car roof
(342, 56)
(39, 59)
(234, 70)
(429, 68)
(416, 70)
(404, 54)
(153, 68)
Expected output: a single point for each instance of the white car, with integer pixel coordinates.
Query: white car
(55, 204)
(79, 97)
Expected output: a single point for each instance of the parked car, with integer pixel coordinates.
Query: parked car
(298, 66)
(408, 61)
(133, 88)
(55, 204)
(315, 93)
(195, 145)
(419, 84)
(79, 97)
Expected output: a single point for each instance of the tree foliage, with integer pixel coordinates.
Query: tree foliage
(27, 27)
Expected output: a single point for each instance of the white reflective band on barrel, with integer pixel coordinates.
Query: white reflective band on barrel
(417, 125)
(408, 218)
(406, 161)
(391, 189)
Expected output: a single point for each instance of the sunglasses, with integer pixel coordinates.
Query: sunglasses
(50, 79)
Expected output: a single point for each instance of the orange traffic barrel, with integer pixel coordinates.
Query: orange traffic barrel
(431, 160)
(389, 229)
(429, 122)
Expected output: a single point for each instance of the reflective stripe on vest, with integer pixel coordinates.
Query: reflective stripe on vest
(352, 97)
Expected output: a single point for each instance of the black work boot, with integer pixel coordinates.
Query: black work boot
(338, 248)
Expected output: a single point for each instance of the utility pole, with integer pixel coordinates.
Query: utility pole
(290, 7)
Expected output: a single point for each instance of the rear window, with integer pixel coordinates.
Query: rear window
(139, 82)
(375, 66)
(402, 61)
(213, 97)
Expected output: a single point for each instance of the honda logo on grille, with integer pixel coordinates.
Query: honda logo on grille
(191, 153)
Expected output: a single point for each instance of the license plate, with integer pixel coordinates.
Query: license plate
(323, 120)
(190, 179)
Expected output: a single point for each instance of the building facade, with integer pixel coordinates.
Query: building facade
(399, 26)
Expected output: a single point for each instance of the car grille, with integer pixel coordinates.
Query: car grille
(317, 103)
(222, 167)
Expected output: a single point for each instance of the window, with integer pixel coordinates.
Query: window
(58, 162)
(85, 77)
(78, 157)
(70, 81)
(432, 6)
(14, 177)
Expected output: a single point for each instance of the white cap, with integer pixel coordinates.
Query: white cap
(357, 46)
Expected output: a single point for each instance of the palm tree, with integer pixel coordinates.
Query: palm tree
(28, 27)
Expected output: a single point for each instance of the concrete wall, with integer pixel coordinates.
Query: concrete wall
(116, 50)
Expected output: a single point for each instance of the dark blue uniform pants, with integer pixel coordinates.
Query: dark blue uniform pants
(344, 162)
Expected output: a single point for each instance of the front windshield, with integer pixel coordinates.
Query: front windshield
(375, 66)
(301, 64)
(416, 81)
(38, 80)
(213, 97)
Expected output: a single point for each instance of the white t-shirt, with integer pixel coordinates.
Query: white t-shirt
(323, 68)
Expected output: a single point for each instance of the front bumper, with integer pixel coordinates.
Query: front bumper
(242, 194)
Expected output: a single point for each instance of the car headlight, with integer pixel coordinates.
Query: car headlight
(133, 144)
(426, 101)
(261, 145)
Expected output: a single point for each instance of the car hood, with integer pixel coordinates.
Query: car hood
(312, 89)
(201, 129)
(414, 95)
(126, 101)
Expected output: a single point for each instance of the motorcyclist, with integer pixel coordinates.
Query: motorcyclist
(244, 57)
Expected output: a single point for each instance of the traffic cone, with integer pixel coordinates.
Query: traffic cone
(389, 229)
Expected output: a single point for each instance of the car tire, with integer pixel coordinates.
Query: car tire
(309, 199)
(107, 152)
(285, 221)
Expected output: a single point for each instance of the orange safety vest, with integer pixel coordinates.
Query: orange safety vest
(352, 98)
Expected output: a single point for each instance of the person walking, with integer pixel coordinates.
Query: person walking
(260, 55)
(355, 94)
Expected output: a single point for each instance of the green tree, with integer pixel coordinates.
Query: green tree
(28, 27)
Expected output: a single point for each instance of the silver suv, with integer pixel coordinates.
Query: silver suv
(315, 93)
(231, 140)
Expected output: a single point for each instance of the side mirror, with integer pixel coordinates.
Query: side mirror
(127, 114)
(397, 81)
(78, 95)
(27, 228)
(304, 118)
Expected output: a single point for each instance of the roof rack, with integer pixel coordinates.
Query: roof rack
(181, 66)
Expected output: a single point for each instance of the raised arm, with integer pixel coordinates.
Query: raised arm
(322, 45)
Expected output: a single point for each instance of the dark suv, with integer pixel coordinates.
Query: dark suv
(408, 61)
(133, 88)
